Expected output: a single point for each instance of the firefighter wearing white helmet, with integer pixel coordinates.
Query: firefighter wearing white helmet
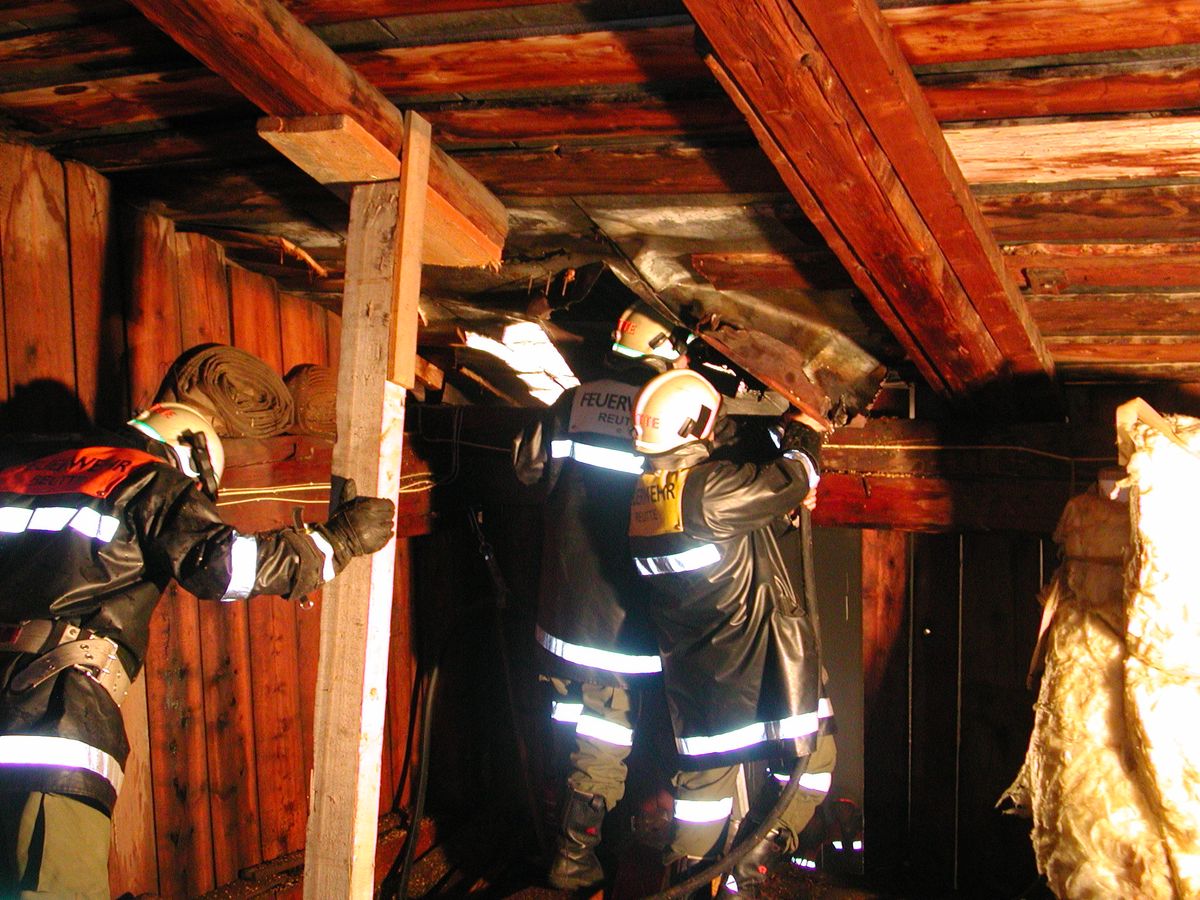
(192, 438)
(595, 643)
(715, 541)
(643, 335)
(90, 537)
(676, 408)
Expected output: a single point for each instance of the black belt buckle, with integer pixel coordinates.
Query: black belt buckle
(10, 633)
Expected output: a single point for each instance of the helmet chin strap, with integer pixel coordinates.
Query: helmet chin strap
(198, 445)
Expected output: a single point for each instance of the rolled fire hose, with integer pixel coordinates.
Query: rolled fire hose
(244, 396)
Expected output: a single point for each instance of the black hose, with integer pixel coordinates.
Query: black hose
(734, 856)
(418, 813)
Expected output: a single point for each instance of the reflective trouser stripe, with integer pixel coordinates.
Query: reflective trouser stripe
(47, 750)
(595, 658)
(785, 729)
(703, 811)
(566, 712)
(687, 561)
(603, 730)
(818, 782)
(600, 457)
(243, 567)
(326, 548)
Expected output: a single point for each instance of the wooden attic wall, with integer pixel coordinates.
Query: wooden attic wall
(97, 301)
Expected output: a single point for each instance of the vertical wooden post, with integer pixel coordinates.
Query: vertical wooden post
(383, 250)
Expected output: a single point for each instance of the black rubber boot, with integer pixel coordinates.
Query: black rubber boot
(576, 866)
(759, 862)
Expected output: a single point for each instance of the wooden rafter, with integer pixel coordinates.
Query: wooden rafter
(286, 70)
(844, 122)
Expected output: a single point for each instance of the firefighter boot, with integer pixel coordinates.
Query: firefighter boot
(759, 862)
(575, 866)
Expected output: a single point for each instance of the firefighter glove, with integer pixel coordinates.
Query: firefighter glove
(798, 436)
(361, 525)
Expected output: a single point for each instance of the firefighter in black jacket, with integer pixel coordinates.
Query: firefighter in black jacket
(597, 642)
(737, 629)
(90, 537)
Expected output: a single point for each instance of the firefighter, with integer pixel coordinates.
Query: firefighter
(90, 537)
(597, 648)
(717, 542)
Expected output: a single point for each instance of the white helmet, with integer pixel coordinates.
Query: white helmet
(192, 437)
(672, 409)
(642, 334)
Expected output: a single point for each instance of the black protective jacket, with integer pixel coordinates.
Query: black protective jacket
(92, 537)
(737, 625)
(591, 620)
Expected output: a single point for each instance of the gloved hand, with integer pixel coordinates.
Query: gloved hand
(798, 436)
(361, 525)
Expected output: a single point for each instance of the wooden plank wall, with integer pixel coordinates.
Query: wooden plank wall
(96, 300)
(950, 621)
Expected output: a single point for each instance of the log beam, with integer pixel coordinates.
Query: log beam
(855, 142)
(281, 66)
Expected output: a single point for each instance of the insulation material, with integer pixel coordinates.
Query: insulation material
(1162, 666)
(1094, 833)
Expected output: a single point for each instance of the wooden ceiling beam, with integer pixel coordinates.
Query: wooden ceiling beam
(931, 34)
(286, 70)
(1093, 150)
(844, 123)
(1116, 314)
(1069, 268)
(1176, 357)
(1063, 91)
(1116, 213)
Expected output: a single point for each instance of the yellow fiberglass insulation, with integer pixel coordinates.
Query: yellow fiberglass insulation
(1162, 608)
(1094, 833)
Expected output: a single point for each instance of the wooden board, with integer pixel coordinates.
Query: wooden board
(302, 328)
(38, 320)
(178, 748)
(1063, 90)
(278, 734)
(356, 613)
(951, 32)
(885, 603)
(1089, 150)
(1116, 314)
(1065, 268)
(1118, 213)
(203, 290)
(95, 299)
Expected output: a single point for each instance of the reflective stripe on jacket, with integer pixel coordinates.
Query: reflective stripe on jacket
(591, 619)
(93, 536)
(740, 651)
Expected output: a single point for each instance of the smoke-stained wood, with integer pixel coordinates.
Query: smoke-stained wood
(970, 328)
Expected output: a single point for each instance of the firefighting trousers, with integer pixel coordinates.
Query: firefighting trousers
(704, 803)
(52, 845)
(604, 723)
